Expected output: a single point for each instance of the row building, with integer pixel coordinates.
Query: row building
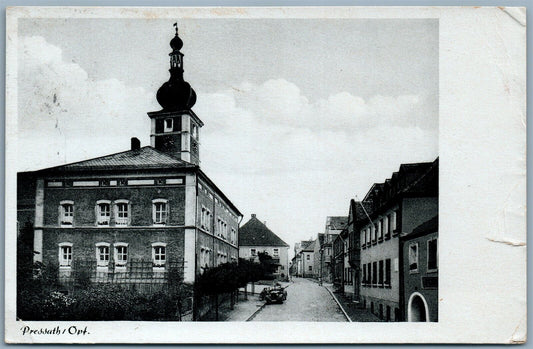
(385, 255)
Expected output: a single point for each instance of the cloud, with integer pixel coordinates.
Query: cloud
(289, 159)
(274, 151)
(61, 107)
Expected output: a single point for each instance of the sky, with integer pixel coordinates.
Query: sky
(300, 115)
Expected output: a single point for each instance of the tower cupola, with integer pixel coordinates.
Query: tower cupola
(176, 93)
(175, 129)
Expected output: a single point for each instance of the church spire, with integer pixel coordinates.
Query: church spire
(176, 93)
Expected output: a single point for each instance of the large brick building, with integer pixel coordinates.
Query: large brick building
(147, 204)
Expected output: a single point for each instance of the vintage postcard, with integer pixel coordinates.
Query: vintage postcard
(266, 175)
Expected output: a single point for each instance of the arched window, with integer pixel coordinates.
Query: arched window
(65, 255)
(66, 213)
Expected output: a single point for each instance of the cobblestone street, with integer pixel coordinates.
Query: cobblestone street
(306, 301)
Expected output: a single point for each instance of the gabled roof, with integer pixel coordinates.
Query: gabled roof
(310, 247)
(255, 233)
(411, 180)
(143, 158)
(336, 222)
(305, 244)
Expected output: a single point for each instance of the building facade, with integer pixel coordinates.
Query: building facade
(324, 265)
(255, 238)
(420, 267)
(407, 199)
(142, 212)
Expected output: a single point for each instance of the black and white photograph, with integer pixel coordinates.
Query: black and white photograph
(238, 166)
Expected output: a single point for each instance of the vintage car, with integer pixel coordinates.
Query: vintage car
(275, 294)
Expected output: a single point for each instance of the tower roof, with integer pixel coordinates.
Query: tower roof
(256, 233)
(176, 93)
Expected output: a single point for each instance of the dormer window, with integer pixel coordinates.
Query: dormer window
(103, 212)
(168, 125)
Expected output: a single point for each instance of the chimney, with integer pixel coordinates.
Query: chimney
(135, 143)
(253, 215)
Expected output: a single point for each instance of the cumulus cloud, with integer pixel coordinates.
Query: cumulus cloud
(277, 152)
(61, 107)
(274, 151)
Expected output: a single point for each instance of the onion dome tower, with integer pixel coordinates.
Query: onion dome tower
(175, 128)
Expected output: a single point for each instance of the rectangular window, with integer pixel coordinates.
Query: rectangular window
(373, 229)
(122, 213)
(67, 213)
(380, 279)
(368, 238)
(253, 252)
(364, 274)
(102, 255)
(363, 238)
(375, 273)
(386, 232)
(65, 255)
(276, 252)
(103, 212)
(160, 211)
(432, 255)
(308, 257)
(159, 255)
(393, 223)
(121, 255)
(380, 230)
(413, 257)
(310, 268)
(387, 272)
(369, 274)
(168, 125)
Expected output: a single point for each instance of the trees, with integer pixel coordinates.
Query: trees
(226, 278)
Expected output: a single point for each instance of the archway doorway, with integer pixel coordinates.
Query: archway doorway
(417, 310)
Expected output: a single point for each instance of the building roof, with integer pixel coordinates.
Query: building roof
(336, 222)
(256, 233)
(429, 226)
(143, 158)
(419, 179)
(310, 247)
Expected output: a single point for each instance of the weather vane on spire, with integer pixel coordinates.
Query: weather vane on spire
(176, 26)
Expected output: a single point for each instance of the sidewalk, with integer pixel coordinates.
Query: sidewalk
(244, 308)
(354, 311)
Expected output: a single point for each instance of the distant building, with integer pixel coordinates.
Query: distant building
(303, 260)
(137, 214)
(255, 237)
(338, 263)
(324, 247)
(400, 204)
(421, 272)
